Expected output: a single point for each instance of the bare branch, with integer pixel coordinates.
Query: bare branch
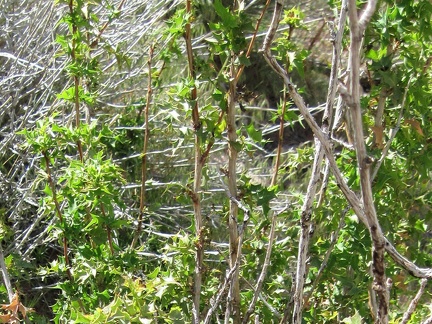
(200, 159)
(363, 161)
(220, 293)
(379, 241)
(328, 117)
(145, 148)
(5, 275)
(407, 264)
(353, 200)
(411, 308)
(367, 15)
(337, 47)
(333, 241)
(265, 302)
(306, 233)
(252, 41)
(373, 304)
(298, 100)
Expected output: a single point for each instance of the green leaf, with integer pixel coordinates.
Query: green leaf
(355, 319)
(265, 195)
(229, 20)
(154, 273)
(243, 60)
(253, 133)
(236, 145)
(68, 94)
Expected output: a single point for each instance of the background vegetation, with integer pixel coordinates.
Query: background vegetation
(215, 161)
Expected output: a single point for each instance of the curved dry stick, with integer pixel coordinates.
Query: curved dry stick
(219, 295)
(336, 37)
(252, 41)
(407, 264)
(5, 275)
(411, 308)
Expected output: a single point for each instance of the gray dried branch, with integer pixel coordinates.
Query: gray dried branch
(5, 275)
(364, 162)
(217, 300)
(352, 198)
(306, 214)
(306, 233)
(333, 241)
(411, 308)
(336, 37)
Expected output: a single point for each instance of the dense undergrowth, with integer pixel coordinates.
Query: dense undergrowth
(155, 169)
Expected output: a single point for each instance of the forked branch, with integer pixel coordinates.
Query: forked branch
(364, 209)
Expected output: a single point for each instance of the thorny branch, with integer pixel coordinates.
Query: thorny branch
(200, 159)
(252, 41)
(145, 148)
(235, 238)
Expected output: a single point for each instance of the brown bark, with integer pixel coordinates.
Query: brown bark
(200, 160)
